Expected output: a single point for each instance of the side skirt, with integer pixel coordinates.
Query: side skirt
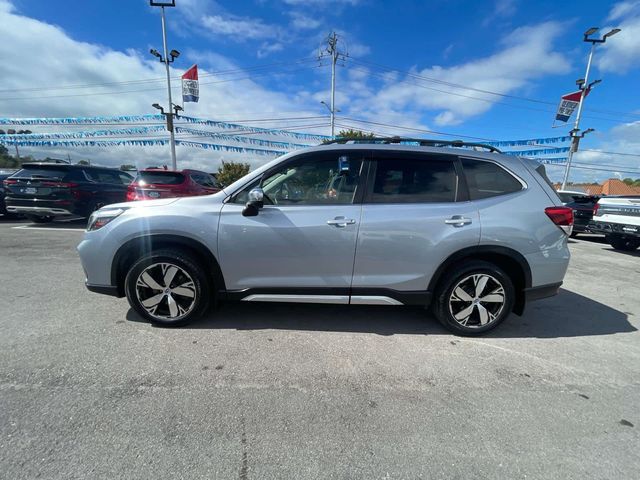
(340, 296)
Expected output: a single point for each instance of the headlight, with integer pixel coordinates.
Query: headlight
(99, 219)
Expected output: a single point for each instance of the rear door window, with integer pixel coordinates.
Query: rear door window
(487, 179)
(160, 178)
(402, 177)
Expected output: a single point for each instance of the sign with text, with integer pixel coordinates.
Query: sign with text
(190, 87)
(568, 104)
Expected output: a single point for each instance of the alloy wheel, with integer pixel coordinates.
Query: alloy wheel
(166, 291)
(477, 300)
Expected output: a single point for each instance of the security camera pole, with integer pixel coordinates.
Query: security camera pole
(168, 58)
(584, 87)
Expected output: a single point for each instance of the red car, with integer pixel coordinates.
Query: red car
(153, 183)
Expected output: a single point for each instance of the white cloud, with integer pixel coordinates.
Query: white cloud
(502, 9)
(55, 59)
(239, 28)
(621, 52)
(301, 21)
(527, 55)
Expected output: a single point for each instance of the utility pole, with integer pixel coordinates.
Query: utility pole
(168, 58)
(584, 86)
(333, 52)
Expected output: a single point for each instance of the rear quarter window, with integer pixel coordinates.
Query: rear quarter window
(487, 179)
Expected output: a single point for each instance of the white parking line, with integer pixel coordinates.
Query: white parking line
(29, 227)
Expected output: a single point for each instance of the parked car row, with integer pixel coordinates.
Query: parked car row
(44, 191)
(616, 217)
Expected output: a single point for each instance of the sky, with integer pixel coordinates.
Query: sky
(490, 69)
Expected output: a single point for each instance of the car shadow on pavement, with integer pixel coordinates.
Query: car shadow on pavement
(601, 240)
(566, 315)
(72, 224)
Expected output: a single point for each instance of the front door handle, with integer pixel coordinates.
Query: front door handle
(458, 221)
(341, 222)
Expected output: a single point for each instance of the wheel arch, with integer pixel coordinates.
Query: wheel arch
(511, 261)
(137, 247)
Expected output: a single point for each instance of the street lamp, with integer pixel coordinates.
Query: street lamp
(584, 87)
(167, 59)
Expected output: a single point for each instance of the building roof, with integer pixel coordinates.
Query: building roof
(613, 186)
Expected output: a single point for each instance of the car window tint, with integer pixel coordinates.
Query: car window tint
(103, 176)
(487, 179)
(160, 178)
(414, 180)
(322, 178)
(42, 172)
(203, 180)
(125, 178)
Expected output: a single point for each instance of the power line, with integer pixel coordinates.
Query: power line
(153, 89)
(157, 79)
(466, 87)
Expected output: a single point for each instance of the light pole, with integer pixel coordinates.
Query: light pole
(335, 54)
(167, 59)
(333, 115)
(584, 87)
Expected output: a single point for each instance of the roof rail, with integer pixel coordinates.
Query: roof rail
(423, 142)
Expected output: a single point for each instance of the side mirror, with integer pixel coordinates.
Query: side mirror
(255, 203)
(256, 196)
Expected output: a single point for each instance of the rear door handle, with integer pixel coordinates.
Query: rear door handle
(458, 221)
(341, 222)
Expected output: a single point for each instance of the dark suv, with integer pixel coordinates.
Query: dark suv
(43, 191)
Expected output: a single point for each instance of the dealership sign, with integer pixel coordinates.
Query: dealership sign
(190, 88)
(568, 104)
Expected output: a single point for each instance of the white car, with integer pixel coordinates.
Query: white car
(619, 219)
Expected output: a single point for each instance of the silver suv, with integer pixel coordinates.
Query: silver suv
(472, 234)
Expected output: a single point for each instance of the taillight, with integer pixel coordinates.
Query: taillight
(562, 217)
(8, 182)
(595, 208)
(132, 194)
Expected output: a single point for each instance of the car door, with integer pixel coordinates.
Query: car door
(302, 242)
(415, 214)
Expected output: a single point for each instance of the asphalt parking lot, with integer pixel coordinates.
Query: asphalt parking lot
(258, 391)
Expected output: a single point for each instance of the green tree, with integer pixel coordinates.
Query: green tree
(352, 134)
(127, 166)
(628, 181)
(229, 172)
(84, 162)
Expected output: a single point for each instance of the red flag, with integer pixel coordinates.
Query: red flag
(190, 87)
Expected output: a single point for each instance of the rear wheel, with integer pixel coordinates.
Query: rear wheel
(40, 219)
(168, 288)
(474, 298)
(625, 244)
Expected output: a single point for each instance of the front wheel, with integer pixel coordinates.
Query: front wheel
(168, 287)
(474, 298)
(625, 244)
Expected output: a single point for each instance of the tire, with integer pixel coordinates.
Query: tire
(39, 219)
(624, 244)
(483, 316)
(574, 235)
(146, 282)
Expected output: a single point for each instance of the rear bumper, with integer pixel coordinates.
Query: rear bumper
(42, 211)
(615, 228)
(543, 291)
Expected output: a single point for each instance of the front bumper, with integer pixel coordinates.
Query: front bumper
(103, 289)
